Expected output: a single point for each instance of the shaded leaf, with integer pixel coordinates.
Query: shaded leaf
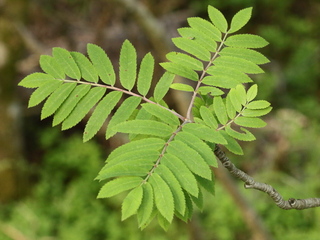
(146, 206)
(232, 144)
(208, 117)
(192, 47)
(206, 27)
(163, 86)
(185, 60)
(220, 110)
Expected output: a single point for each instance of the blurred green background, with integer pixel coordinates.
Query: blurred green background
(47, 190)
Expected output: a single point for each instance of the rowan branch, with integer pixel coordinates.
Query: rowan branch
(250, 183)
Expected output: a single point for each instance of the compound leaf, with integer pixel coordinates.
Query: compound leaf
(102, 64)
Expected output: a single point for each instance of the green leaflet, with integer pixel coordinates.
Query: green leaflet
(57, 98)
(66, 61)
(182, 173)
(192, 47)
(161, 113)
(241, 95)
(204, 133)
(146, 206)
(182, 87)
(198, 145)
(131, 203)
(83, 107)
(146, 143)
(246, 41)
(235, 100)
(208, 117)
(102, 64)
(128, 65)
(162, 196)
(163, 86)
(206, 27)
(245, 53)
(134, 167)
(239, 64)
(122, 114)
(185, 60)
(222, 81)
(258, 104)
(35, 80)
(88, 72)
(240, 19)
(50, 65)
(229, 73)
(231, 111)
(198, 200)
(199, 38)
(148, 127)
(208, 185)
(190, 157)
(211, 90)
(101, 112)
(180, 70)
(246, 136)
(220, 110)
(175, 187)
(43, 92)
(232, 144)
(145, 74)
(189, 209)
(69, 104)
(163, 222)
(256, 112)
(250, 122)
(252, 92)
(119, 185)
(218, 19)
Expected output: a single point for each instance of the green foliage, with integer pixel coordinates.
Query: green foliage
(166, 164)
